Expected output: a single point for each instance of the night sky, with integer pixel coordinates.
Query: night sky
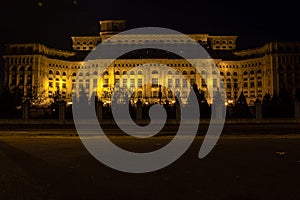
(53, 22)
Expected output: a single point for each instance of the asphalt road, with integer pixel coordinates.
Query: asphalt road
(53, 164)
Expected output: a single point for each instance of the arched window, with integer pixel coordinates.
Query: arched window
(80, 74)
(74, 74)
(214, 73)
(259, 71)
(228, 73)
(252, 72)
(95, 73)
(124, 72)
(140, 72)
(132, 73)
(222, 73)
(29, 69)
(192, 72)
(57, 73)
(202, 72)
(21, 69)
(87, 74)
(50, 72)
(154, 72)
(245, 73)
(170, 72)
(235, 73)
(184, 73)
(117, 73)
(64, 74)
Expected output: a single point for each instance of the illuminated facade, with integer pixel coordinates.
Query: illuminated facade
(41, 72)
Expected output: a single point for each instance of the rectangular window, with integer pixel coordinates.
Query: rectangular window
(95, 83)
(252, 84)
(154, 82)
(259, 83)
(177, 83)
(228, 85)
(184, 83)
(132, 82)
(170, 81)
(105, 82)
(192, 81)
(214, 82)
(245, 85)
(64, 85)
(154, 94)
(203, 83)
(50, 84)
(124, 82)
(140, 82)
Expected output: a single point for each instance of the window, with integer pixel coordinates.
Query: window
(50, 72)
(184, 83)
(57, 73)
(139, 94)
(192, 81)
(74, 74)
(132, 82)
(64, 74)
(192, 72)
(140, 72)
(124, 82)
(251, 84)
(50, 84)
(170, 82)
(64, 85)
(132, 73)
(154, 72)
(259, 83)
(105, 73)
(245, 85)
(235, 73)
(95, 83)
(124, 72)
(170, 72)
(228, 74)
(184, 73)
(154, 94)
(154, 82)
(177, 83)
(214, 82)
(117, 73)
(228, 85)
(105, 82)
(140, 82)
(245, 73)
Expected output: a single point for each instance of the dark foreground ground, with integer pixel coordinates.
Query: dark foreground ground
(249, 162)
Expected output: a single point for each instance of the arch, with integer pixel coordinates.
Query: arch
(235, 73)
(245, 73)
(124, 72)
(140, 72)
(132, 73)
(154, 72)
(80, 74)
(29, 69)
(64, 74)
(105, 73)
(117, 73)
(21, 69)
(74, 74)
(228, 74)
(252, 72)
(57, 73)
(170, 72)
(258, 71)
(192, 72)
(50, 71)
(184, 72)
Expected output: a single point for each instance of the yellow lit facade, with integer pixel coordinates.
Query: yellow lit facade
(42, 71)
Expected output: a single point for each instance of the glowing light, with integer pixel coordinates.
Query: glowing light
(40, 4)
(70, 103)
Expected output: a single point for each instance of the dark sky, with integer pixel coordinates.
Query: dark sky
(53, 21)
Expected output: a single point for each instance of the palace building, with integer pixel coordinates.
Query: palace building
(41, 72)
